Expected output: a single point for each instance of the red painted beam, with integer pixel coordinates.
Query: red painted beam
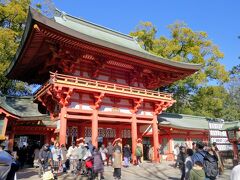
(77, 117)
(107, 119)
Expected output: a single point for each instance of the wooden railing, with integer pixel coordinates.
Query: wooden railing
(103, 86)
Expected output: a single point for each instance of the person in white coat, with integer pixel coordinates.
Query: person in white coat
(72, 155)
(103, 150)
(235, 174)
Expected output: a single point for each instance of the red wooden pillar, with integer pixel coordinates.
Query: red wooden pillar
(155, 139)
(95, 128)
(235, 152)
(82, 130)
(11, 139)
(63, 126)
(47, 138)
(5, 123)
(118, 133)
(134, 136)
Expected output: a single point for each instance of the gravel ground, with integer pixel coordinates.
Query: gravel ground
(147, 171)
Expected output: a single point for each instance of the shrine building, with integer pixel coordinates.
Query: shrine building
(96, 83)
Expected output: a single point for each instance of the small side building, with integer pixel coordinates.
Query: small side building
(180, 129)
(21, 117)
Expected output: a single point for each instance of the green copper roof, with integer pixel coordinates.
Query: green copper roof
(99, 32)
(85, 31)
(114, 39)
(231, 126)
(183, 121)
(25, 109)
(22, 107)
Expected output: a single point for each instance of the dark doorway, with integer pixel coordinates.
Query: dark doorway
(146, 144)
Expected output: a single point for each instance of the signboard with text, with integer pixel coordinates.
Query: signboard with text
(220, 137)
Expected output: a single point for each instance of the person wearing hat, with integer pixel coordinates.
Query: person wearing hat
(5, 162)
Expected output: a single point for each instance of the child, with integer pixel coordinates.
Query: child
(197, 172)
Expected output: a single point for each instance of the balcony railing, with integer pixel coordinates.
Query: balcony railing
(90, 84)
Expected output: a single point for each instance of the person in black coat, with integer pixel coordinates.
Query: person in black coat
(126, 155)
(181, 160)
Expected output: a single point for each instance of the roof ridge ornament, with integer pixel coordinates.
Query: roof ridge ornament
(61, 14)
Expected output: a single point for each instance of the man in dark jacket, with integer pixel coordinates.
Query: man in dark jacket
(109, 153)
(45, 158)
(200, 153)
(126, 155)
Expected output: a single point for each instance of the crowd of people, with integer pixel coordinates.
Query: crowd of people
(201, 162)
(83, 159)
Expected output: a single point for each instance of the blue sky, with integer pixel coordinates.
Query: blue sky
(219, 18)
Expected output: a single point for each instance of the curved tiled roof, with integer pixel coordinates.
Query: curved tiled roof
(114, 39)
(25, 109)
(231, 126)
(183, 121)
(88, 32)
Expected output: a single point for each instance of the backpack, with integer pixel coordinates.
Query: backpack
(138, 151)
(210, 166)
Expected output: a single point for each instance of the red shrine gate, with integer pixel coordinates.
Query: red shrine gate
(102, 79)
(92, 107)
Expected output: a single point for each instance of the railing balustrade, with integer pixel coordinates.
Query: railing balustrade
(101, 85)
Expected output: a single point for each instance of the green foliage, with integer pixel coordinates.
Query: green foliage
(209, 101)
(232, 104)
(185, 45)
(13, 14)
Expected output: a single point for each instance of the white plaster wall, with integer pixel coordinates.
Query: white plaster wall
(148, 113)
(105, 108)
(86, 107)
(74, 105)
(125, 110)
(140, 112)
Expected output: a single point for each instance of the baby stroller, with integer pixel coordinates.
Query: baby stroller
(89, 168)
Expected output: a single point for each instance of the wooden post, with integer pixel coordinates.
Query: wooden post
(63, 126)
(155, 139)
(11, 139)
(95, 128)
(5, 123)
(82, 130)
(134, 136)
(47, 138)
(235, 152)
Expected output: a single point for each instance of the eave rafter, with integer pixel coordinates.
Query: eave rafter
(99, 64)
(97, 51)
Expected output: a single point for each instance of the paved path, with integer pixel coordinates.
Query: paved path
(147, 171)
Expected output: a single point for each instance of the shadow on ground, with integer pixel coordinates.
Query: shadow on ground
(28, 173)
